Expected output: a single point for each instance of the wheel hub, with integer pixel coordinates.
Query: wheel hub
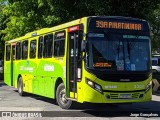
(63, 97)
(20, 87)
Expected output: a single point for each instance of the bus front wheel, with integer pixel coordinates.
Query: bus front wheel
(20, 86)
(62, 101)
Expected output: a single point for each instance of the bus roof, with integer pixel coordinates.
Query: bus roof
(47, 30)
(65, 25)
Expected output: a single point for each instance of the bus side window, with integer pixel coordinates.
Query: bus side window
(40, 46)
(59, 44)
(25, 49)
(33, 49)
(48, 41)
(18, 51)
(8, 52)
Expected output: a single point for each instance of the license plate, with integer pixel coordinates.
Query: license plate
(125, 95)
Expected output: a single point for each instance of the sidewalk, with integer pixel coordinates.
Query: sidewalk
(1, 83)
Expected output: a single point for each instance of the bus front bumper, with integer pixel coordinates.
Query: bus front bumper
(93, 96)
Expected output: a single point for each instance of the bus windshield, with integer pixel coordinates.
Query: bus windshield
(118, 52)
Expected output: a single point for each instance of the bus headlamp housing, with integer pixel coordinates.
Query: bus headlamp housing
(94, 85)
(148, 86)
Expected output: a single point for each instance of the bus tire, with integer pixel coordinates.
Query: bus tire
(61, 97)
(20, 86)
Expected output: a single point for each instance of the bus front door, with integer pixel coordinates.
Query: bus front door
(73, 64)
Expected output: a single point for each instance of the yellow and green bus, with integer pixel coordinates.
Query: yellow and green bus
(95, 59)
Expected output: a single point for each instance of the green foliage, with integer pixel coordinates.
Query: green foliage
(154, 18)
(75, 9)
(2, 26)
(25, 16)
(19, 17)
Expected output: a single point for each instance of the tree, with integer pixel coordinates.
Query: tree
(2, 26)
(76, 9)
(28, 15)
(154, 18)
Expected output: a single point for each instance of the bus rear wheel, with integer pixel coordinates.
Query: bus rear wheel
(62, 101)
(20, 86)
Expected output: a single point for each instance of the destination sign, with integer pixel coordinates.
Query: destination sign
(60, 35)
(118, 25)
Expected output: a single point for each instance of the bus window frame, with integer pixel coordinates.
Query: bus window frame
(58, 40)
(35, 56)
(40, 57)
(9, 52)
(20, 52)
(24, 58)
(43, 51)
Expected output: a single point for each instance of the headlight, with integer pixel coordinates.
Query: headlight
(90, 83)
(94, 85)
(148, 86)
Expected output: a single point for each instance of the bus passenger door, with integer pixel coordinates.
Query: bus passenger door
(73, 63)
(12, 64)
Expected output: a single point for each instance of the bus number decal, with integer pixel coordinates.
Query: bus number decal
(48, 67)
(138, 86)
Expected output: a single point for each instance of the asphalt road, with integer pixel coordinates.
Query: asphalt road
(11, 101)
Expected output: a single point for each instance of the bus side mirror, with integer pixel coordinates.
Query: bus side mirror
(83, 45)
